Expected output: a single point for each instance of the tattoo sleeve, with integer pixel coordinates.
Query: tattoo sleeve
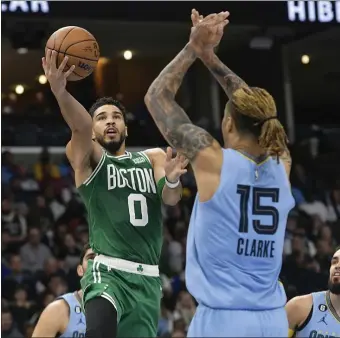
(224, 75)
(170, 118)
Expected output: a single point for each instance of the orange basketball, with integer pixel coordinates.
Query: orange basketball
(81, 48)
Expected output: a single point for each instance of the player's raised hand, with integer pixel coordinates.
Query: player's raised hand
(56, 76)
(207, 32)
(174, 167)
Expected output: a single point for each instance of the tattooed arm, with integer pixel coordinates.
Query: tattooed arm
(170, 118)
(195, 143)
(229, 81)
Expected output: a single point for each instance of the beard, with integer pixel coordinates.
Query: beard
(111, 146)
(334, 287)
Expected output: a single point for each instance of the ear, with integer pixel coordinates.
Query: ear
(126, 131)
(230, 124)
(80, 271)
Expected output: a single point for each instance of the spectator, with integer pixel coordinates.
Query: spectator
(8, 326)
(34, 253)
(165, 322)
(17, 276)
(14, 223)
(41, 214)
(44, 169)
(21, 308)
(333, 205)
(71, 252)
(51, 269)
(8, 168)
(185, 308)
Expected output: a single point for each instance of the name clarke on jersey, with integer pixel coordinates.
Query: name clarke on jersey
(255, 248)
(138, 179)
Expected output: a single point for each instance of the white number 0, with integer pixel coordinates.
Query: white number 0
(138, 222)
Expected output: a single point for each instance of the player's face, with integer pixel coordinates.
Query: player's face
(334, 274)
(109, 127)
(82, 268)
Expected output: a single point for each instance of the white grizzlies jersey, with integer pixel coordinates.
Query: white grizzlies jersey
(323, 321)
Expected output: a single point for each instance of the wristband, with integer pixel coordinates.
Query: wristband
(172, 185)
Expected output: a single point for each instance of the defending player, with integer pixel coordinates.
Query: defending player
(64, 317)
(317, 314)
(122, 192)
(237, 227)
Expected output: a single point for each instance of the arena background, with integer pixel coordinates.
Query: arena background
(290, 48)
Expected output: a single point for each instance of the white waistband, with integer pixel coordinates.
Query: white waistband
(128, 266)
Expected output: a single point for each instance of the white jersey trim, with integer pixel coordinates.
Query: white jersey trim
(96, 170)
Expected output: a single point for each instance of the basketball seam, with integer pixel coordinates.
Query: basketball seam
(61, 43)
(76, 56)
(79, 42)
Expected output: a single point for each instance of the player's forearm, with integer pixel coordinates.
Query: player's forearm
(170, 118)
(229, 81)
(171, 196)
(169, 80)
(160, 98)
(75, 115)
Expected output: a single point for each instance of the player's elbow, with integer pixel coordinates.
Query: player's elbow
(155, 96)
(149, 97)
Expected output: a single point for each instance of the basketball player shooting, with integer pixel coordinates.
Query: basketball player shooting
(317, 314)
(238, 222)
(122, 192)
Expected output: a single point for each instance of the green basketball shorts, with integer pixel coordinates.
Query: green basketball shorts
(133, 289)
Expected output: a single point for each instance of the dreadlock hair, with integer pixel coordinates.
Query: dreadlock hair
(110, 101)
(254, 112)
(83, 252)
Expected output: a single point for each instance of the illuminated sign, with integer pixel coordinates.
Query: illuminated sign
(25, 7)
(320, 11)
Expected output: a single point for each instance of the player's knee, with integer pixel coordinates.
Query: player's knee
(101, 318)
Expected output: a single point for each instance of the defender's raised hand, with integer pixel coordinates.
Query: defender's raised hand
(174, 167)
(207, 32)
(56, 76)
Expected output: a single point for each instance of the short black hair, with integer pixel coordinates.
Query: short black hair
(110, 101)
(83, 252)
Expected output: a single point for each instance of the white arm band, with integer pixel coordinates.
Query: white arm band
(172, 185)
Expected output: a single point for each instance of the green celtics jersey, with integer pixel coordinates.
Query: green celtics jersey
(124, 208)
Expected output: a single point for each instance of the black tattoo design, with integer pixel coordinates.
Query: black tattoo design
(229, 81)
(171, 119)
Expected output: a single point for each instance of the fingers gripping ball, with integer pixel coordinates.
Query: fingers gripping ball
(81, 48)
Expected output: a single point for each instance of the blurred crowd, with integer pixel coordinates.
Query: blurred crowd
(44, 228)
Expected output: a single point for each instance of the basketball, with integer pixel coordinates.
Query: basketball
(81, 48)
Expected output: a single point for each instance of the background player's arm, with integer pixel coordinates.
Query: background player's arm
(170, 196)
(85, 152)
(298, 309)
(53, 320)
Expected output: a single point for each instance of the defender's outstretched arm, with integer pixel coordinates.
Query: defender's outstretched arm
(170, 118)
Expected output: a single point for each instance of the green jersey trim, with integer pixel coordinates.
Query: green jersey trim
(95, 171)
(160, 186)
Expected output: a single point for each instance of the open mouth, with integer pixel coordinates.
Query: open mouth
(111, 131)
(336, 276)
